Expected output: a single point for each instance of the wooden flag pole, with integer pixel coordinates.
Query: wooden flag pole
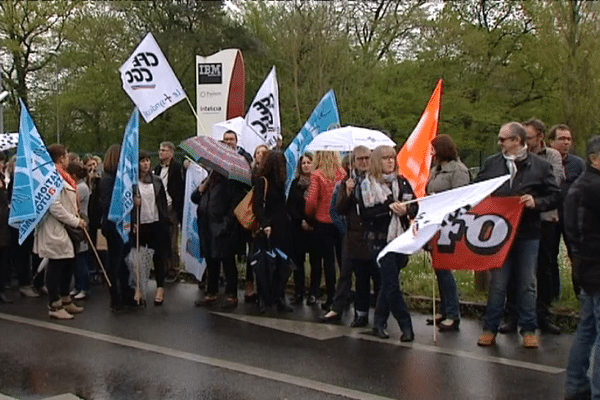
(195, 114)
(89, 239)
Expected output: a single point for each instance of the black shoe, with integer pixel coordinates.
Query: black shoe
(407, 335)
(250, 298)
(380, 333)
(311, 300)
(207, 301)
(445, 326)
(360, 321)
(547, 327)
(332, 319)
(283, 306)
(4, 299)
(436, 321)
(508, 326)
(262, 308)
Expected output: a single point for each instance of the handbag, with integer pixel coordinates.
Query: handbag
(245, 214)
(76, 235)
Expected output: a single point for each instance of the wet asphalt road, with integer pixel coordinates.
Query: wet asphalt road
(178, 351)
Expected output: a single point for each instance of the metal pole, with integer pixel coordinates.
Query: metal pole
(1, 106)
(57, 88)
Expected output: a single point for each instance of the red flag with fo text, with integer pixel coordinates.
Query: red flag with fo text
(477, 239)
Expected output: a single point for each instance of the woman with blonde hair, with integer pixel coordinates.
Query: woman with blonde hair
(385, 217)
(327, 172)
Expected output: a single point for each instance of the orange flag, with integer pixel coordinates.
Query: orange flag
(414, 159)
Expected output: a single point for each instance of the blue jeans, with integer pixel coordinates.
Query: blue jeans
(521, 261)
(585, 338)
(390, 297)
(448, 294)
(82, 271)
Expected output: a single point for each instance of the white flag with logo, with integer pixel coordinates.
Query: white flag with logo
(149, 80)
(263, 124)
(433, 210)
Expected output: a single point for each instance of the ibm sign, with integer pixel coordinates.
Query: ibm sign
(210, 73)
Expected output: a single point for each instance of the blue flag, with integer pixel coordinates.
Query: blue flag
(121, 202)
(37, 183)
(325, 116)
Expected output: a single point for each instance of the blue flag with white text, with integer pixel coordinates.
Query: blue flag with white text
(324, 117)
(121, 202)
(37, 183)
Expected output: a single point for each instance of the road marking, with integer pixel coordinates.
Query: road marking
(214, 362)
(321, 331)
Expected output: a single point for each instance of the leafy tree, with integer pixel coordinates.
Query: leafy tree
(29, 32)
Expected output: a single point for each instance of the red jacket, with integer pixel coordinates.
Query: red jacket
(319, 195)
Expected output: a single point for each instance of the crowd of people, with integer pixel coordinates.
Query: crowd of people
(336, 212)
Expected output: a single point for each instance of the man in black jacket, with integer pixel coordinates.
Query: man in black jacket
(532, 180)
(171, 176)
(582, 228)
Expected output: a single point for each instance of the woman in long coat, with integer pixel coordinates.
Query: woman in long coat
(52, 241)
(217, 197)
(269, 206)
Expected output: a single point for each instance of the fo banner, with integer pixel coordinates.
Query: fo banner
(220, 88)
(480, 238)
(149, 80)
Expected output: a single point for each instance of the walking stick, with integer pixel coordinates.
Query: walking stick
(89, 239)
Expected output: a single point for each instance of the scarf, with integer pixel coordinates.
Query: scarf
(374, 192)
(303, 184)
(511, 162)
(67, 178)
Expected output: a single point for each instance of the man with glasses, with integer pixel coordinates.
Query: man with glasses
(531, 179)
(355, 252)
(548, 276)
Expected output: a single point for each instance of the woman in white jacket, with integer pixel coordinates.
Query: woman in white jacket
(53, 242)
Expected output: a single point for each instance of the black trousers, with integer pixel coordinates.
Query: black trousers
(59, 273)
(325, 236)
(213, 270)
(156, 236)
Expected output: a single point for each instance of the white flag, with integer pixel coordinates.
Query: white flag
(433, 210)
(149, 80)
(263, 124)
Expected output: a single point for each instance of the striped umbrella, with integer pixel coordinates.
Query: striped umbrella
(218, 157)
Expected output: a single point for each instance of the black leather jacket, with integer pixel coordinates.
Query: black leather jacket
(534, 176)
(582, 228)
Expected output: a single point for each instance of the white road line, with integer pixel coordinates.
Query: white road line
(215, 362)
(319, 331)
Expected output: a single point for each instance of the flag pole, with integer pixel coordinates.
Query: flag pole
(89, 239)
(195, 114)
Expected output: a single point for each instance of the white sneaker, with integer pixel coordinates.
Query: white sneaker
(27, 291)
(73, 292)
(44, 290)
(80, 296)
(72, 308)
(60, 313)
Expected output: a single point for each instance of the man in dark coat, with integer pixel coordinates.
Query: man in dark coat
(532, 180)
(171, 175)
(582, 228)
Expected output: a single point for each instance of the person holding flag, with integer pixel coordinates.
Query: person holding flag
(121, 294)
(52, 241)
(532, 180)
